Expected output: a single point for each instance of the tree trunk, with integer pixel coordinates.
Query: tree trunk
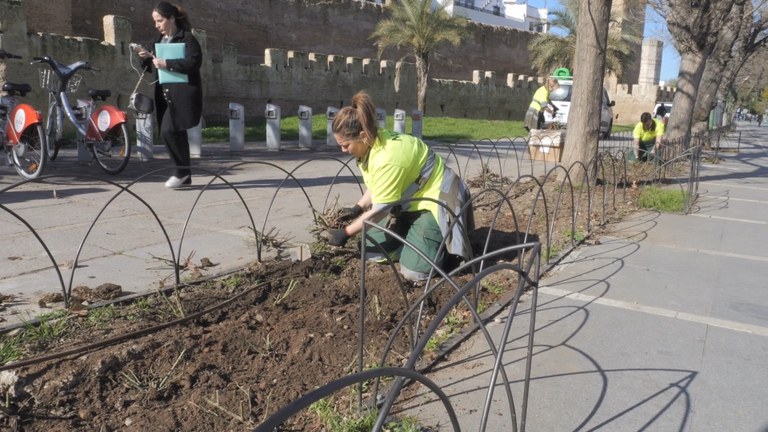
(695, 27)
(422, 75)
(723, 64)
(691, 69)
(589, 70)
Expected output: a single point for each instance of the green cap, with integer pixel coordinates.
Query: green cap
(562, 73)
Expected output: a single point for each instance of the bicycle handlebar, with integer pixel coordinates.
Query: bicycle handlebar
(56, 65)
(6, 55)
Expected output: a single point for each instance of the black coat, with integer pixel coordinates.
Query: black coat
(184, 99)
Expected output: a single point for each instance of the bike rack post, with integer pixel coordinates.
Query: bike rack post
(83, 154)
(305, 127)
(144, 134)
(381, 118)
(416, 123)
(330, 114)
(272, 113)
(236, 127)
(195, 137)
(399, 121)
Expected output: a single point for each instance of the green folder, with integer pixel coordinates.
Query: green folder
(170, 51)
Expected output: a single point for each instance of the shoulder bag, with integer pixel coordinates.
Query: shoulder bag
(140, 102)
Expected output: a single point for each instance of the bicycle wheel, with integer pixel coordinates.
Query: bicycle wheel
(29, 155)
(114, 151)
(55, 126)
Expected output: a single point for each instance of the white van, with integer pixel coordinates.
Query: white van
(667, 111)
(561, 98)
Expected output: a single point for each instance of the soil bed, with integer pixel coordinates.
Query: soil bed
(294, 327)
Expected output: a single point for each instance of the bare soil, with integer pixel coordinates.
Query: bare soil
(291, 327)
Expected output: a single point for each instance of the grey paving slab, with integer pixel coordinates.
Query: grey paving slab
(605, 367)
(594, 367)
(662, 325)
(733, 382)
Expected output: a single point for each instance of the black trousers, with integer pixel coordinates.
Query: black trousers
(178, 145)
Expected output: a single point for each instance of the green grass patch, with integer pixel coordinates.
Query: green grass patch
(103, 315)
(10, 349)
(443, 129)
(50, 328)
(622, 128)
(493, 286)
(577, 236)
(653, 197)
(331, 413)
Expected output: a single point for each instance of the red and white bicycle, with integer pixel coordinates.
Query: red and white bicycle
(21, 129)
(102, 128)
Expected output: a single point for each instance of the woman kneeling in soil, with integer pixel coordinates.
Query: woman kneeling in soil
(397, 167)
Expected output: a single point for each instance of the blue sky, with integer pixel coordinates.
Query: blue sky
(655, 27)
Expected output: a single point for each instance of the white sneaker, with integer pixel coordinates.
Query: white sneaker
(175, 182)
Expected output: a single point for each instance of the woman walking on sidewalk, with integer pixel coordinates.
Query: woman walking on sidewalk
(179, 103)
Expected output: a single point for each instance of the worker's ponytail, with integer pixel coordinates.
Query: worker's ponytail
(359, 117)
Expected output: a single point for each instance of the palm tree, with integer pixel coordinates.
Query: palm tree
(418, 28)
(549, 51)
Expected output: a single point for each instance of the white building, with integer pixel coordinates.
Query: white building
(502, 13)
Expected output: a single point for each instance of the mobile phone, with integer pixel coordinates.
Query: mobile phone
(135, 46)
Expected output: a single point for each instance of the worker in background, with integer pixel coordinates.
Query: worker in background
(647, 137)
(534, 118)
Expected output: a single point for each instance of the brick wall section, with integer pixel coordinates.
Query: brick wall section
(323, 26)
(51, 16)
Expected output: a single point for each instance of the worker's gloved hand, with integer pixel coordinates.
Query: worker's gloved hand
(347, 214)
(338, 237)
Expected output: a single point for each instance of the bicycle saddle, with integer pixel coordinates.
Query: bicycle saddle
(13, 89)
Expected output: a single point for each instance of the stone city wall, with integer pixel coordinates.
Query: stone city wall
(320, 26)
(286, 78)
(632, 101)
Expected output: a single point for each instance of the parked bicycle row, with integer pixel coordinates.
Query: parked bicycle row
(30, 139)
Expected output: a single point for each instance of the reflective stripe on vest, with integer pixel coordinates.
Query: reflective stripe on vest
(424, 175)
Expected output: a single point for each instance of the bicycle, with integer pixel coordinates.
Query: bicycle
(21, 129)
(102, 129)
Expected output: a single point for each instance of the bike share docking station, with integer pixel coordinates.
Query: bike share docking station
(330, 139)
(273, 117)
(305, 127)
(144, 128)
(236, 127)
(416, 122)
(145, 146)
(195, 137)
(272, 114)
(236, 115)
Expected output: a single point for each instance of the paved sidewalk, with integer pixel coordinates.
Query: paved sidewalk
(661, 326)
(127, 245)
